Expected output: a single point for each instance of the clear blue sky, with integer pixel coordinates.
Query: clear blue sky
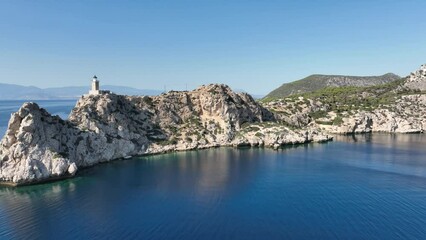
(250, 45)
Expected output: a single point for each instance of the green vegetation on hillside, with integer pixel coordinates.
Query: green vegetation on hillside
(341, 99)
(328, 106)
(317, 82)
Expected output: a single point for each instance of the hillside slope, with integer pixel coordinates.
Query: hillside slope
(316, 82)
(395, 107)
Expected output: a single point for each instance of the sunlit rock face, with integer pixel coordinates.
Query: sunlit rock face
(38, 146)
(417, 79)
(384, 120)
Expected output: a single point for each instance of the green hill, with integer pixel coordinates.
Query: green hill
(316, 82)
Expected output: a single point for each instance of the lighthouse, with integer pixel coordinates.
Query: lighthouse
(95, 87)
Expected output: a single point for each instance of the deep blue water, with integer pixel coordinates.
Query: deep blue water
(363, 187)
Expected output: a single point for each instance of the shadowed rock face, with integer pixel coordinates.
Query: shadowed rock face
(38, 146)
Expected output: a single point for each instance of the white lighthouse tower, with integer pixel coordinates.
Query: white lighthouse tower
(95, 86)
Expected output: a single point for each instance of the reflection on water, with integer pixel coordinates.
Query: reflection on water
(19, 209)
(388, 139)
(374, 187)
(393, 153)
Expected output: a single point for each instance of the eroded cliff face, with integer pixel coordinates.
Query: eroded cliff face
(38, 146)
(33, 147)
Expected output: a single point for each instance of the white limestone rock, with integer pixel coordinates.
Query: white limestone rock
(104, 127)
(417, 79)
(72, 169)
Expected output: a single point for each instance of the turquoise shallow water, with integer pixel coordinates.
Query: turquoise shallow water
(363, 187)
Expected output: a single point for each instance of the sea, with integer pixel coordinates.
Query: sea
(369, 186)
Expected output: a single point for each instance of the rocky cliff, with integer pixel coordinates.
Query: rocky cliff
(38, 146)
(407, 115)
(417, 79)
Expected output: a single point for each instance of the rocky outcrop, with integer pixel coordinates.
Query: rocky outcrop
(39, 147)
(33, 148)
(396, 107)
(406, 116)
(296, 112)
(417, 79)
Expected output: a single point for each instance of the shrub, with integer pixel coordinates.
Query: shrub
(338, 120)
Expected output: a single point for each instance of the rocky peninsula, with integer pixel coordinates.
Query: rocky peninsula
(104, 126)
(38, 146)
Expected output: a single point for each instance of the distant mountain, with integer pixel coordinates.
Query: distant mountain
(255, 96)
(18, 92)
(316, 82)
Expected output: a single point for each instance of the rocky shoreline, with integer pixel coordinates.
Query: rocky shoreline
(38, 146)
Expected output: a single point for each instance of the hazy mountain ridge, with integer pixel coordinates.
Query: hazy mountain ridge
(318, 81)
(19, 92)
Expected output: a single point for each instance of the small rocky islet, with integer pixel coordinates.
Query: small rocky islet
(103, 126)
